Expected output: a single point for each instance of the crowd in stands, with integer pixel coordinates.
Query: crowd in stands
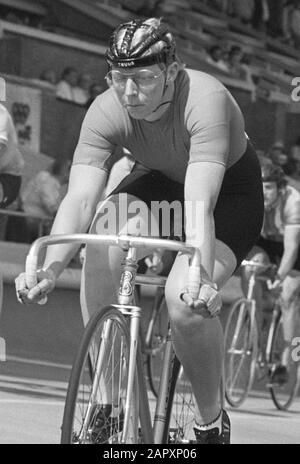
(232, 61)
(72, 86)
(42, 196)
(278, 18)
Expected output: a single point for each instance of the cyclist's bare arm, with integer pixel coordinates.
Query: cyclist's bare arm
(200, 188)
(291, 242)
(76, 211)
(202, 184)
(74, 215)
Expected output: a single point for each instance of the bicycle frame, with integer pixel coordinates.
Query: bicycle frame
(129, 279)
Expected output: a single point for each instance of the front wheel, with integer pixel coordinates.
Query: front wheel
(95, 410)
(284, 394)
(180, 408)
(241, 347)
(156, 339)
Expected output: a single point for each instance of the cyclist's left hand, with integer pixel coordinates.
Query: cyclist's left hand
(209, 302)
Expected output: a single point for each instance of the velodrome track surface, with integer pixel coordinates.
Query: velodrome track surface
(40, 345)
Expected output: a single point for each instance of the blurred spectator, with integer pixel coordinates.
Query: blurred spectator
(82, 90)
(11, 164)
(278, 154)
(43, 194)
(49, 75)
(294, 173)
(65, 88)
(216, 58)
(95, 90)
(237, 68)
(261, 15)
(242, 9)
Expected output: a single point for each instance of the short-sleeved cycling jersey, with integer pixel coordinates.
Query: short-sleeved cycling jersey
(202, 123)
(284, 213)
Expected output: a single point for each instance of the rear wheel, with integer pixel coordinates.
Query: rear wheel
(241, 347)
(95, 410)
(283, 394)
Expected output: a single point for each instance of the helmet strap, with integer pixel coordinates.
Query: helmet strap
(163, 94)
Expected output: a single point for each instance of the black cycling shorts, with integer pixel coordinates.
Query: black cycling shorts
(11, 185)
(275, 250)
(239, 210)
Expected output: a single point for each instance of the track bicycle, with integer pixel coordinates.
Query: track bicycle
(253, 349)
(156, 330)
(107, 399)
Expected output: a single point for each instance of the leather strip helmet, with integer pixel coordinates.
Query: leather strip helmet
(131, 44)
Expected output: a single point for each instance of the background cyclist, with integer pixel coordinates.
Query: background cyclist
(279, 243)
(186, 134)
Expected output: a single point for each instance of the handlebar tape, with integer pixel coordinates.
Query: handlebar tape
(194, 282)
(31, 278)
(194, 279)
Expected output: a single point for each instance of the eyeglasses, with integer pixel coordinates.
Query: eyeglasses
(143, 78)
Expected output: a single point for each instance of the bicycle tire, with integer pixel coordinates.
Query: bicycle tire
(241, 348)
(180, 411)
(282, 395)
(155, 346)
(105, 341)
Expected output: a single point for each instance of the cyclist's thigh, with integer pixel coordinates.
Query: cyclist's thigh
(118, 214)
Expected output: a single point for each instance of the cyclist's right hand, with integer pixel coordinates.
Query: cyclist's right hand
(45, 284)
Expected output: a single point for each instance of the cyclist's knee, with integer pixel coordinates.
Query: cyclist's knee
(181, 316)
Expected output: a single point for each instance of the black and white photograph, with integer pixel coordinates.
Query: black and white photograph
(149, 225)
